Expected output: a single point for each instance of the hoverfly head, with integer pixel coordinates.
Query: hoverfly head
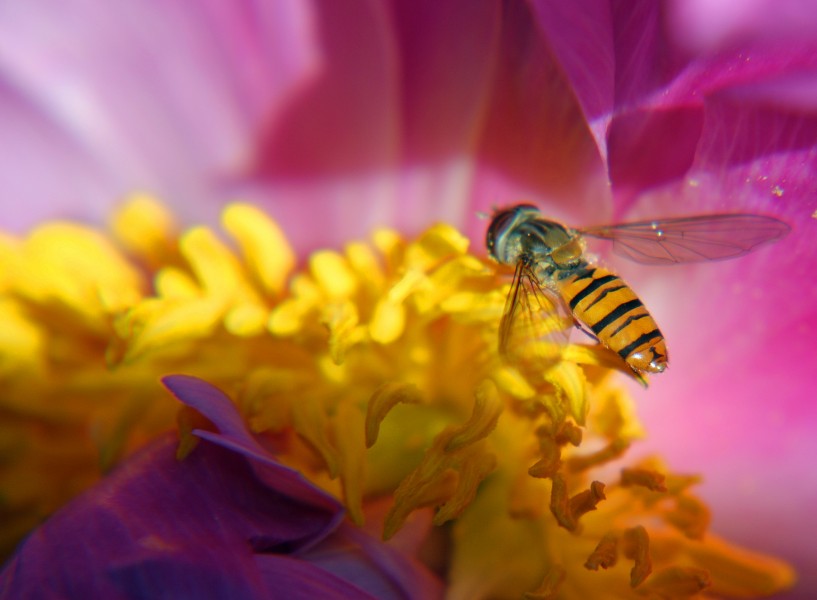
(503, 223)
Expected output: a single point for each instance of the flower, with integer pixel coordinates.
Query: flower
(148, 529)
(377, 376)
(542, 100)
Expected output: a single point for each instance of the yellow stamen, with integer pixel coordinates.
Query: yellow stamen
(146, 230)
(383, 400)
(636, 547)
(550, 585)
(643, 477)
(264, 246)
(677, 582)
(605, 555)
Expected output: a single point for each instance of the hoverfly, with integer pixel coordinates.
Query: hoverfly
(553, 276)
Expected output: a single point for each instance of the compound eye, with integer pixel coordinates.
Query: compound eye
(496, 226)
(499, 223)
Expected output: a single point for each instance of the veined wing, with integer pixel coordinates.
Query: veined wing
(535, 324)
(691, 239)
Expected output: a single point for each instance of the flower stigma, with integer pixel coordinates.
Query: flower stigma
(374, 371)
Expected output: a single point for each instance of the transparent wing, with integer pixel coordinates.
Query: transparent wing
(535, 324)
(690, 239)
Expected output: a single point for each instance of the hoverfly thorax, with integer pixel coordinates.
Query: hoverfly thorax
(570, 254)
(519, 233)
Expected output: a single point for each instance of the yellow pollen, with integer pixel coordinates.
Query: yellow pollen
(375, 372)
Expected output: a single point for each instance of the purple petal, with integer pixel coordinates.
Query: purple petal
(213, 404)
(228, 521)
(291, 578)
(349, 552)
(158, 526)
(373, 566)
(762, 152)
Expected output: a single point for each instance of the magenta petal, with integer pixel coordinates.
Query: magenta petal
(581, 36)
(534, 135)
(741, 333)
(612, 52)
(743, 79)
(749, 157)
(638, 142)
(446, 73)
(647, 98)
(761, 151)
(344, 119)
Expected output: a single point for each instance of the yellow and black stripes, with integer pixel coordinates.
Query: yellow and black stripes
(611, 310)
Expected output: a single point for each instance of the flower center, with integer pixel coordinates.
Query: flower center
(374, 371)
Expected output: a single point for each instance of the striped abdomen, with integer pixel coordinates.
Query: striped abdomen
(612, 311)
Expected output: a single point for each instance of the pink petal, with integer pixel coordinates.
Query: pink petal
(738, 395)
(149, 95)
(707, 25)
